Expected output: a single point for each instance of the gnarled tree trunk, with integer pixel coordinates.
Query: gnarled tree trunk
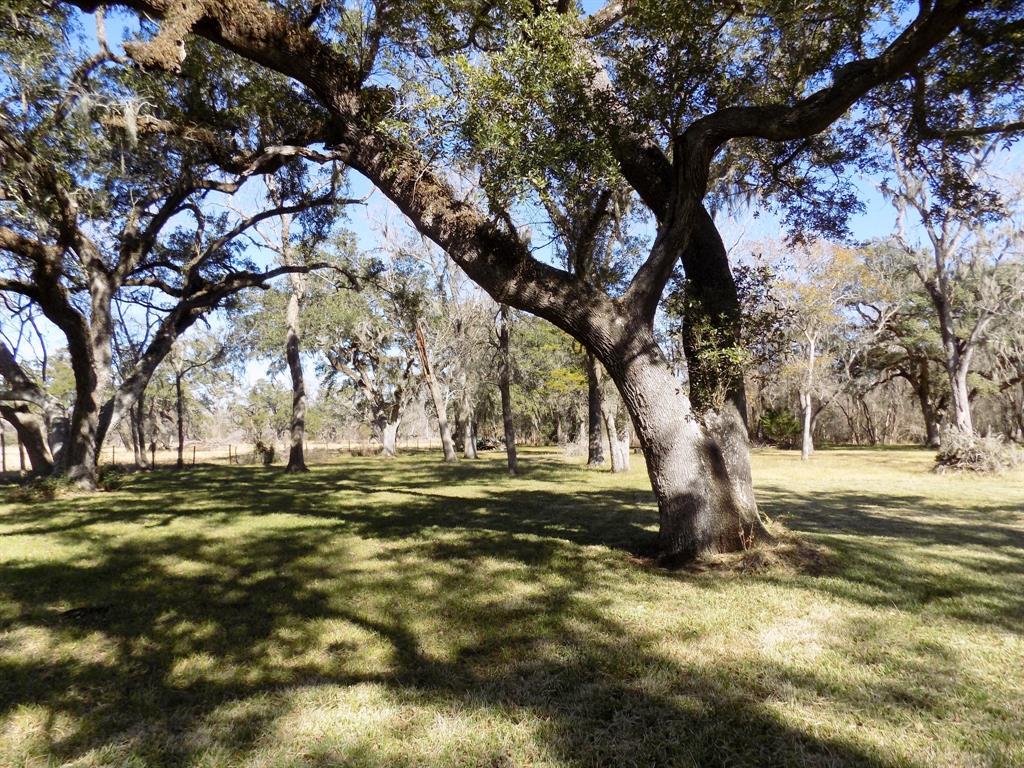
(31, 436)
(718, 396)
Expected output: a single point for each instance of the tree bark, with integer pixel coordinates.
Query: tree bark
(922, 387)
(179, 409)
(31, 435)
(697, 508)
(618, 441)
(466, 420)
(447, 447)
(505, 387)
(137, 414)
(807, 437)
(718, 396)
(595, 449)
(297, 432)
(386, 432)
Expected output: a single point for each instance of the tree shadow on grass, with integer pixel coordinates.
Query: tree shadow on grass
(199, 630)
(200, 644)
(375, 498)
(913, 552)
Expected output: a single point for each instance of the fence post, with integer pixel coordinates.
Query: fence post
(193, 455)
(3, 451)
(112, 453)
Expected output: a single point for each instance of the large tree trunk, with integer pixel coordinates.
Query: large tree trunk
(711, 324)
(595, 449)
(447, 446)
(297, 432)
(961, 399)
(698, 509)
(57, 436)
(83, 443)
(31, 435)
(386, 432)
(505, 387)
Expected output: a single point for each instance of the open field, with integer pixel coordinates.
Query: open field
(401, 613)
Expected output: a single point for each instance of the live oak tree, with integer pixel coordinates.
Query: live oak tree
(899, 337)
(104, 199)
(696, 100)
(965, 264)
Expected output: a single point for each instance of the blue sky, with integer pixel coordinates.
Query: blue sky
(877, 219)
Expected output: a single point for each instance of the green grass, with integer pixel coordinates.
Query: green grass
(401, 613)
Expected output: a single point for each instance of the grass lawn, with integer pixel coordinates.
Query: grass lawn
(406, 613)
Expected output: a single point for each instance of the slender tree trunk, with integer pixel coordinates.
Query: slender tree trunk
(133, 429)
(595, 450)
(618, 441)
(559, 431)
(57, 435)
(923, 390)
(179, 409)
(435, 395)
(505, 387)
(297, 433)
(956, 354)
(138, 415)
(468, 433)
(807, 438)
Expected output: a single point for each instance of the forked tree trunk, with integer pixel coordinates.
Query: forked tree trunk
(84, 428)
(595, 449)
(961, 399)
(697, 507)
(386, 432)
(505, 388)
(718, 395)
(447, 446)
(297, 431)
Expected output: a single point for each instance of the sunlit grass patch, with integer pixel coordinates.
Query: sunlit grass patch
(401, 613)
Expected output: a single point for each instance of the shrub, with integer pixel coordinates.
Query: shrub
(265, 452)
(39, 489)
(779, 427)
(965, 452)
(111, 478)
